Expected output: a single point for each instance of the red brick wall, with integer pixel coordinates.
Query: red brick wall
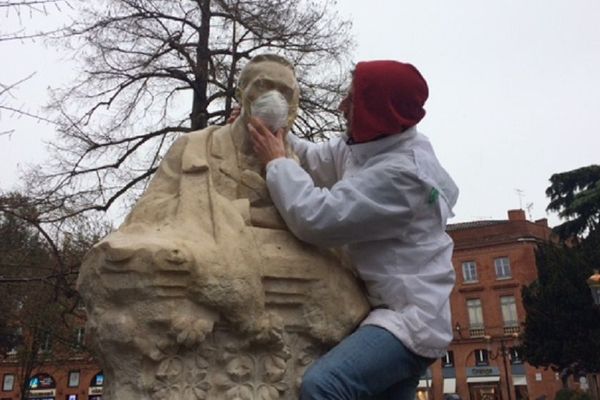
(60, 373)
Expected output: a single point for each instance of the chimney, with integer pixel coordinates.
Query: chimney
(516, 215)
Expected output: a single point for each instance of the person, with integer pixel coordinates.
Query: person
(379, 193)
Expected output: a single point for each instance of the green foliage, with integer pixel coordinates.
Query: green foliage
(22, 252)
(575, 195)
(562, 324)
(562, 327)
(570, 394)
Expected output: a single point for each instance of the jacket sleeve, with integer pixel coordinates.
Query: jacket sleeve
(372, 205)
(316, 158)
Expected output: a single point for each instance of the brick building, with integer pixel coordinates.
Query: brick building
(492, 259)
(76, 381)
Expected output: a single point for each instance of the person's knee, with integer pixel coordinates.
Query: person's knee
(311, 385)
(317, 383)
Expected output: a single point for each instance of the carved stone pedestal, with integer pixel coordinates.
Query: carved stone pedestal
(227, 367)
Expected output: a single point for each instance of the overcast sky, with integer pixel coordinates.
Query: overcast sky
(514, 91)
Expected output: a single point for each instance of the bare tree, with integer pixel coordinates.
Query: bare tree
(154, 69)
(27, 8)
(18, 10)
(39, 313)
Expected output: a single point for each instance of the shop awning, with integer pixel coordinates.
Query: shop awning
(478, 379)
(519, 380)
(449, 385)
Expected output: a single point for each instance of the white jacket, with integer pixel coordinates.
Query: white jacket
(386, 202)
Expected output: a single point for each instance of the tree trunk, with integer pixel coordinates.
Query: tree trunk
(199, 115)
(231, 76)
(29, 362)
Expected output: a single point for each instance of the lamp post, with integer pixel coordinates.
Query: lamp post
(503, 351)
(458, 330)
(594, 283)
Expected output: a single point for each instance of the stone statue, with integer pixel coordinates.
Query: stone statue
(202, 293)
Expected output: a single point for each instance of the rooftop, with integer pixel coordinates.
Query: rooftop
(474, 224)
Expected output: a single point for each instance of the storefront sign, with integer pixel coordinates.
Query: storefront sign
(483, 371)
(35, 394)
(95, 390)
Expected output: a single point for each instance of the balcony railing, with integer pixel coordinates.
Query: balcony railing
(512, 329)
(475, 332)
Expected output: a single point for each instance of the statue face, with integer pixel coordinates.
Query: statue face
(261, 77)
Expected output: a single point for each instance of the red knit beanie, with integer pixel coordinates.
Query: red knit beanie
(388, 98)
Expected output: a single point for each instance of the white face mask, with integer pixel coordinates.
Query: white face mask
(272, 109)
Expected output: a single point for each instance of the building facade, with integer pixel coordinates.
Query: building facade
(492, 260)
(70, 380)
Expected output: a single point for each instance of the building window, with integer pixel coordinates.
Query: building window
(469, 269)
(509, 314)
(14, 341)
(8, 382)
(475, 318)
(448, 359)
(515, 356)
(73, 379)
(42, 381)
(46, 342)
(98, 379)
(502, 266)
(79, 337)
(481, 357)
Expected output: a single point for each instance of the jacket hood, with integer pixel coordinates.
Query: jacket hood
(388, 98)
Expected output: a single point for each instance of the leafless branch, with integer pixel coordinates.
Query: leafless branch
(154, 70)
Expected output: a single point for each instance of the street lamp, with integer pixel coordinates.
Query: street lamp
(594, 284)
(458, 330)
(503, 351)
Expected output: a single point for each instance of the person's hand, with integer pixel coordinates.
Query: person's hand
(234, 114)
(267, 145)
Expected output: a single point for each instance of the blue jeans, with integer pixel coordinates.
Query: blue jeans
(369, 364)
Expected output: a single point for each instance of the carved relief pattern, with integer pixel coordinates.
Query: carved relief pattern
(237, 371)
(178, 378)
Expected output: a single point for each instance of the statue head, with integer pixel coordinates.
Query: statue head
(265, 73)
